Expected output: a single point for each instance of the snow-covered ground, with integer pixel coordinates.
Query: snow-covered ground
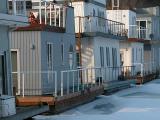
(137, 103)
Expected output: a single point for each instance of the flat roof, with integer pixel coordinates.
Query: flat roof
(41, 27)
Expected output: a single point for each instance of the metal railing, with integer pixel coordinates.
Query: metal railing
(80, 79)
(35, 83)
(135, 31)
(49, 13)
(118, 73)
(99, 24)
(30, 83)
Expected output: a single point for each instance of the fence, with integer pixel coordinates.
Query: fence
(80, 79)
(135, 31)
(99, 24)
(70, 81)
(118, 73)
(35, 83)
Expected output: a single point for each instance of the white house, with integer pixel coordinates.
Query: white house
(8, 21)
(97, 37)
(41, 50)
(132, 49)
(148, 22)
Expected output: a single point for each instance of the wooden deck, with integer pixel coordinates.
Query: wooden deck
(34, 100)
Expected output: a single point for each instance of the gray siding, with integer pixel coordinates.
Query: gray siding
(3, 6)
(30, 59)
(57, 39)
(4, 47)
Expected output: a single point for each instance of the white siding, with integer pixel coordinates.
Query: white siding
(127, 17)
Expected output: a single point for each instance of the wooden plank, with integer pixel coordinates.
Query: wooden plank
(34, 100)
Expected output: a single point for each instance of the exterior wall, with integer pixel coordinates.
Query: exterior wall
(109, 72)
(127, 17)
(155, 56)
(154, 11)
(29, 58)
(155, 27)
(57, 39)
(91, 55)
(84, 9)
(4, 50)
(32, 46)
(3, 6)
(105, 42)
(87, 52)
(126, 50)
(132, 54)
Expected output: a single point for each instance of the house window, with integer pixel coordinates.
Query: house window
(50, 56)
(78, 59)
(62, 53)
(102, 56)
(142, 29)
(114, 57)
(136, 54)
(107, 56)
(141, 55)
(132, 55)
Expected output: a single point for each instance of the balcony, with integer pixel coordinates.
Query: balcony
(135, 31)
(93, 24)
(48, 13)
(16, 15)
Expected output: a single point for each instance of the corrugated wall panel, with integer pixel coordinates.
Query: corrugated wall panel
(28, 44)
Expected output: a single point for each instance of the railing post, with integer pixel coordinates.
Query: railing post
(23, 85)
(91, 77)
(55, 84)
(68, 83)
(73, 82)
(45, 11)
(40, 12)
(61, 83)
(99, 76)
(87, 77)
(50, 15)
(78, 80)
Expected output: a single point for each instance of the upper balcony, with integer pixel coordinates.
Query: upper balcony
(49, 14)
(95, 24)
(16, 15)
(139, 32)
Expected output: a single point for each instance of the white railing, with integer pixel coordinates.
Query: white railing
(135, 31)
(51, 13)
(35, 82)
(80, 79)
(99, 24)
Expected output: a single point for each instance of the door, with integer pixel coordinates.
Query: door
(2, 76)
(15, 73)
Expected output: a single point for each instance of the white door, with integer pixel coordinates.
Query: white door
(15, 71)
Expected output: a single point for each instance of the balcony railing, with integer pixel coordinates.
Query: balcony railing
(138, 32)
(48, 13)
(99, 24)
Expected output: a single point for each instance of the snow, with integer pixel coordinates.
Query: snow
(137, 103)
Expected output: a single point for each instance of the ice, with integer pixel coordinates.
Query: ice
(137, 103)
